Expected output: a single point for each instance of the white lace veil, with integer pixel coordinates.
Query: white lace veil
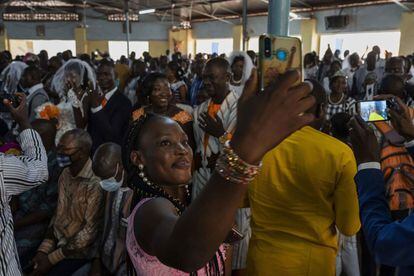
(78, 66)
(11, 76)
(248, 64)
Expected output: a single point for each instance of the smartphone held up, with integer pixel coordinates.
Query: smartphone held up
(278, 54)
(377, 110)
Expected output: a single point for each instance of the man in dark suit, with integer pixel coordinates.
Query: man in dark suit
(110, 109)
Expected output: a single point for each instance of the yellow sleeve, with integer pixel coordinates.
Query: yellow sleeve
(346, 199)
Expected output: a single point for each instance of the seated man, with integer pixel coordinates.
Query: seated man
(37, 206)
(107, 164)
(303, 194)
(72, 238)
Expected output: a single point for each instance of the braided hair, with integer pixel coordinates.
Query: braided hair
(142, 190)
(149, 82)
(176, 68)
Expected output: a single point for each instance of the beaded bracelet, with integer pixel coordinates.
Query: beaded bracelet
(232, 168)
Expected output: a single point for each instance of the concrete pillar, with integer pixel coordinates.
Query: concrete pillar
(181, 41)
(4, 41)
(157, 48)
(191, 44)
(310, 37)
(237, 37)
(81, 41)
(407, 33)
(278, 17)
(101, 45)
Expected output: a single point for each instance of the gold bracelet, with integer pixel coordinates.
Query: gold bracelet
(232, 168)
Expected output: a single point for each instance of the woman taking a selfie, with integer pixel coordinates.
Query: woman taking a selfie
(166, 235)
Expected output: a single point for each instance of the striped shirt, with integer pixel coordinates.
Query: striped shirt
(347, 106)
(18, 174)
(208, 148)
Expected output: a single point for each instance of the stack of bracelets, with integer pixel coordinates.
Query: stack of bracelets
(232, 168)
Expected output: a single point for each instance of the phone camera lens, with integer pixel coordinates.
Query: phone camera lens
(281, 55)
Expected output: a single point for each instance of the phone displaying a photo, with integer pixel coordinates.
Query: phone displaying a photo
(374, 111)
(278, 54)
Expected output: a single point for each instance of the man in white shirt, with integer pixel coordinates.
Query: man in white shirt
(354, 62)
(18, 174)
(31, 81)
(380, 62)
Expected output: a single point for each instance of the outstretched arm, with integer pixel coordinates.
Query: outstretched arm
(189, 241)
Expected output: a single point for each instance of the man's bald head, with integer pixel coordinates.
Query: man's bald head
(106, 159)
(78, 138)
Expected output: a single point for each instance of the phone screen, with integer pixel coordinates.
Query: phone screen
(374, 111)
(277, 55)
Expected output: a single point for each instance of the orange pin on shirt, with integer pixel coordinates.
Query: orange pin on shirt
(104, 102)
(213, 109)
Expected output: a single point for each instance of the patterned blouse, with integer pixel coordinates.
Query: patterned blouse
(348, 105)
(182, 117)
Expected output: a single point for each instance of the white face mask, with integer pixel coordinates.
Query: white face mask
(110, 184)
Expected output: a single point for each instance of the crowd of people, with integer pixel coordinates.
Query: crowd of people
(175, 165)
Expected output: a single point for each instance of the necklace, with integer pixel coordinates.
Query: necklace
(338, 102)
(236, 82)
(179, 206)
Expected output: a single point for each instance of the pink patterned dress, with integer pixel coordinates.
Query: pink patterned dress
(146, 265)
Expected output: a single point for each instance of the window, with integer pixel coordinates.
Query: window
(210, 46)
(22, 46)
(254, 44)
(119, 48)
(54, 46)
(358, 42)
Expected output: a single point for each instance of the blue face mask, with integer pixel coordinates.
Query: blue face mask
(111, 184)
(63, 160)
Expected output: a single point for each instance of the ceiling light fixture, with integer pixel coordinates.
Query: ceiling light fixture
(293, 15)
(119, 17)
(41, 17)
(146, 11)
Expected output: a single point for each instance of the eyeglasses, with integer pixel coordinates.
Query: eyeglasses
(60, 148)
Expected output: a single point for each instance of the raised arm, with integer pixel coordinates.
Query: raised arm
(387, 240)
(188, 242)
(30, 169)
